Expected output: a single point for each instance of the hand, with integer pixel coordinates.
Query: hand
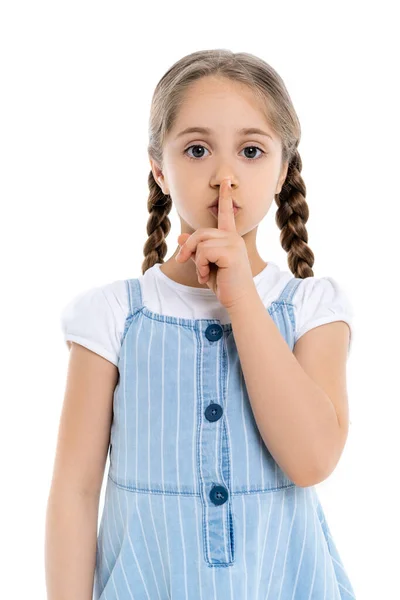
(220, 254)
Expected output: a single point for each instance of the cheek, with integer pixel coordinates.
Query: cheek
(260, 204)
(253, 213)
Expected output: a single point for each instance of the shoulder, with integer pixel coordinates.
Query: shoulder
(320, 300)
(325, 290)
(95, 318)
(111, 298)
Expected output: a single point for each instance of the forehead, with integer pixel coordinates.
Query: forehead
(221, 106)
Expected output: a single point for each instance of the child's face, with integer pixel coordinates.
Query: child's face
(223, 106)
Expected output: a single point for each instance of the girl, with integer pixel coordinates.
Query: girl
(221, 399)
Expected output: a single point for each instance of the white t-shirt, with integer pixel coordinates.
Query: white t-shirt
(95, 318)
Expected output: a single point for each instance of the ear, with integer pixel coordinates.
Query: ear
(157, 173)
(282, 177)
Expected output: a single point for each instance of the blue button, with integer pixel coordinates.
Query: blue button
(213, 412)
(214, 332)
(219, 494)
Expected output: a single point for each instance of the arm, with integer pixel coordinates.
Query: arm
(71, 534)
(296, 418)
(83, 443)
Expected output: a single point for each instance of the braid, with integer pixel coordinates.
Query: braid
(158, 225)
(291, 217)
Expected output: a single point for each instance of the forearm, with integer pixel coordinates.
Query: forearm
(295, 417)
(70, 548)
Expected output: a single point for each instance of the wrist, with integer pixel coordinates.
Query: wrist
(245, 302)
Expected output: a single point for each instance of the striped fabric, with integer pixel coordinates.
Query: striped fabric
(195, 505)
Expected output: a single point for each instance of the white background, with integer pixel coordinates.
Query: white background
(76, 84)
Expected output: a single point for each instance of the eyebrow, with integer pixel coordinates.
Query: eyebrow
(208, 131)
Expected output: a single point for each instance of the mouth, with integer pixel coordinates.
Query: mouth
(215, 209)
(216, 202)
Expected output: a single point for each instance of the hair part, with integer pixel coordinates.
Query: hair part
(292, 213)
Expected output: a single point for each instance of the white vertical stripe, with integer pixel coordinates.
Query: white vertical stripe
(302, 549)
(287, 544)
(271, 575)
(194, 437)
(148, 458)
(228, 434)
(178, 450)
(126, 446)
(115, 556)
(315, 548)
(228, 441)
(271, 496)
(134, 553)
(162, 454)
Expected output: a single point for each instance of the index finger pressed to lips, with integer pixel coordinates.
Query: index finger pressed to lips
(226, 215)
(226, 222)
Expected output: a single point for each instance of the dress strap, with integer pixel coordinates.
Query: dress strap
(289, 289)
(134, 295)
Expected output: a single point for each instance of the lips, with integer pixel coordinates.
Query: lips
(214, 209)
(216, 202)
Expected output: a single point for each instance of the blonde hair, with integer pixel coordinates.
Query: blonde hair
(292, 213)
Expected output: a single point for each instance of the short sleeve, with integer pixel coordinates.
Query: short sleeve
(320, 300)
(96, 318)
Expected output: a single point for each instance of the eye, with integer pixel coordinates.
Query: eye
(201, 158)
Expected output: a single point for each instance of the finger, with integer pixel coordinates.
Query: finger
(189, 246)
(226, 216)
(203, 266)
(183, 253)
(182, 237)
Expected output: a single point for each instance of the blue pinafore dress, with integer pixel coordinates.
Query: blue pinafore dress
(195, 506)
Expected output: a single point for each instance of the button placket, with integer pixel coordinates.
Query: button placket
(218, 494)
